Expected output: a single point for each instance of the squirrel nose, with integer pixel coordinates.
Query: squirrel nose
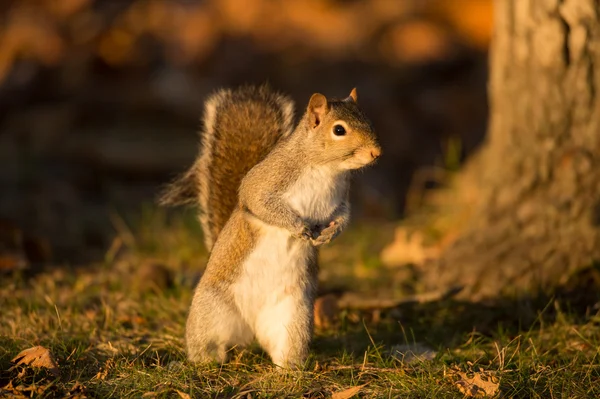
(376, 152)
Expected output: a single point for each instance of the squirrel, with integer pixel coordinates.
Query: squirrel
(269, 195)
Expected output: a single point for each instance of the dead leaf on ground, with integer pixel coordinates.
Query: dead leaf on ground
(482, 384)
(10, 262)
(23, 391)
(347, 393)
(77, 391)
(407, 249)
(11, 391)
(326, 310)
(103, 373)
(37, 356)
(152, 276)
(183, 395)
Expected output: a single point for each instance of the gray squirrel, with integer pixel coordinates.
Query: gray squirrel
(269, 195)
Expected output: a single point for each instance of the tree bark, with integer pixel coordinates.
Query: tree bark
(536, 220)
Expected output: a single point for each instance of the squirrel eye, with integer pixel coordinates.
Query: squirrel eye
(339, 130)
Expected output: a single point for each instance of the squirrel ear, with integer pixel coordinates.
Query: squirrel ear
(353, 96)
(317, 108)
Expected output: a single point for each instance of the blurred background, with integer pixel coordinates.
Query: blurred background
(100, 101)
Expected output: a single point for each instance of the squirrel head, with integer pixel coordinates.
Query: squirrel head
(341, 131)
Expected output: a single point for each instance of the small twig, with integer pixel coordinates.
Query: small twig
(58, 315)
(353, 301)
(243, 394)
(122, 229)
(362, 368)
(372, 342)
(141, 353)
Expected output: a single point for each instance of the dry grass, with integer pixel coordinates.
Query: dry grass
(113, 335)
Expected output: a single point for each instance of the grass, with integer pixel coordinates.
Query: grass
(116, 330)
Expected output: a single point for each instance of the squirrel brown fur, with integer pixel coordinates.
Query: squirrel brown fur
(269, 197)
(240, 128)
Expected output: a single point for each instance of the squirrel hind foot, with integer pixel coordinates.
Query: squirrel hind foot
(207, 354)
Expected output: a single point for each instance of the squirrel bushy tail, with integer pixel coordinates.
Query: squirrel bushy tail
(241, 127)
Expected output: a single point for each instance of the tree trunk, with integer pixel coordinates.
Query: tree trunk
(536, 220)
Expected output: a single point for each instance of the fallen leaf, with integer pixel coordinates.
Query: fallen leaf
(77, 391)
(12, 262)
(11, 391)
(103, 373)
(152, 276)
(37, 356)
(407, 249)
(183, 395)
(375, 316)
(326, 310)
(29, 391)
(481, 384)
(347, 393)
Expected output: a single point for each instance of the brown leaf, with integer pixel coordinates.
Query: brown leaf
(12, 261)
(183, 395)
(37, 356)
(347, 393)
(407, 249)
(23, 391)
(11, 391)
(326, 310)
(77, 391)
(103, 373)
(152, 276)
(482, 384)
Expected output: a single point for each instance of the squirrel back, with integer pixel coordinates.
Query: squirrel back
(241, 127)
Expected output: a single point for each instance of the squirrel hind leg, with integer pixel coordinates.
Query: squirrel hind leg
(207, 353)
(213, 328)
(285, 331)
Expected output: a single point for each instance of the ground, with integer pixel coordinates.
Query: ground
(115, 329)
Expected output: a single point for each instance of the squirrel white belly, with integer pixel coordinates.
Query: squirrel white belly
(274, 293)
(261, 277)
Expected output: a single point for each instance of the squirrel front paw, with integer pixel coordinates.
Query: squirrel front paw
(304, 232)
(326, 234)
